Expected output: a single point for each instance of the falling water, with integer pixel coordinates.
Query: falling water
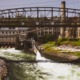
(39, 71)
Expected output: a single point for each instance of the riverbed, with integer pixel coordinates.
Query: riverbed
(44, 70)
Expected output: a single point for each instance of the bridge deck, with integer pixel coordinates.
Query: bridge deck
(39, 17)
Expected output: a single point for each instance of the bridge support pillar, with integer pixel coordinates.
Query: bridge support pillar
(63, 16)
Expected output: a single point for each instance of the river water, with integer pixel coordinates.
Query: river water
(45, 70)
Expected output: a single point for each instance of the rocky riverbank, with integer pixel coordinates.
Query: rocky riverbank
(3, 69)
(61, 53)
(61, 57)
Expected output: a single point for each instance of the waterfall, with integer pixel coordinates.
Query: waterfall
(38, 55)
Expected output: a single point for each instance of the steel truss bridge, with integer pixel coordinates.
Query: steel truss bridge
(40, 17)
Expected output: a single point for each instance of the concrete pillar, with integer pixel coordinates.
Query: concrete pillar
(78, 32)
(63, 13)
(63, 16)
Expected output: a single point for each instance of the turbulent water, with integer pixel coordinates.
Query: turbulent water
(38, 71)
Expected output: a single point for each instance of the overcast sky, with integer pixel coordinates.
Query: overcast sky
(4, 4)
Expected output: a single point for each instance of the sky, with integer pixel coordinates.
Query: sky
(7, 4)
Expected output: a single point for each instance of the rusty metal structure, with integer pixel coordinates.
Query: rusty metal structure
(40, 17)
(65, 21)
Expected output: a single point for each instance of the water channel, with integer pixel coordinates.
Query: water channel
(49, 70)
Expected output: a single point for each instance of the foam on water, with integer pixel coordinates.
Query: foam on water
(11, 53)
(10, 50)
(59, 70)
(48, 70)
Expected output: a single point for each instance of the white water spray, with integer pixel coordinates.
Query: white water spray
(49, 70)
(59, 71)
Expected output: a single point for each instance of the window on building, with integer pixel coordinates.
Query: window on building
(50, 32)
(9, 32)
(46, 32)
(79, 32)
(6, 32)
(19, 31)
(11, 27)
(23, 31)
(13, 32)
(2, 32)
(42, 33)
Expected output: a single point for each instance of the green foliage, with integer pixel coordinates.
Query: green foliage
(48, 45)
(62, 39)
(66, 41)
(71, 39)
(51, 50)
(46, 38)
(75, 43)
(75, 53)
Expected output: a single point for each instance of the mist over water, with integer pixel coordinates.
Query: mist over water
(41, 70)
